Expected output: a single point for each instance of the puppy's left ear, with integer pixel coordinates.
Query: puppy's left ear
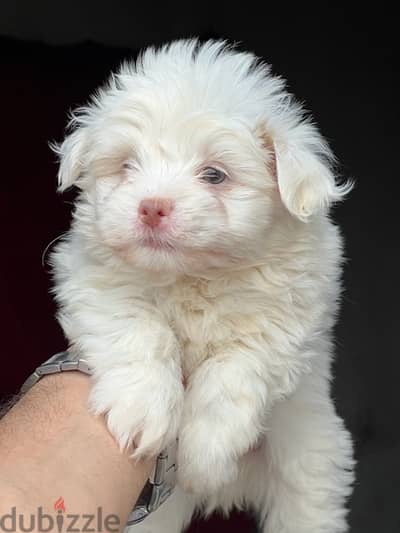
(71, 153)
(303, 171)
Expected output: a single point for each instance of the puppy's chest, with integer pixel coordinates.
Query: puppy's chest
(205, 320)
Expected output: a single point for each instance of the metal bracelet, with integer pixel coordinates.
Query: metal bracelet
(159, 486)
(60, 362)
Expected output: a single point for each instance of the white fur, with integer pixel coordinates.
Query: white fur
(239, 301)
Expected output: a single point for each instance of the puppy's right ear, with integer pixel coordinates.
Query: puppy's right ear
(71, 153)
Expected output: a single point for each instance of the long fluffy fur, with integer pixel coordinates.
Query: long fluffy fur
(236, 299)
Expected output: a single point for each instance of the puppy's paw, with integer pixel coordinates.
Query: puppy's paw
(204, 465)
(142, 406)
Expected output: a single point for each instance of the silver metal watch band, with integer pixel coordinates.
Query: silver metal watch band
(159, 486)
(60, 362)
(161, 482)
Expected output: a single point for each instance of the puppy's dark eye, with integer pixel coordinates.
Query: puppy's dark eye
(213, 175)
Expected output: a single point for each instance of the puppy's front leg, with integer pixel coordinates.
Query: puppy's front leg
(137, 376)
(224, 413)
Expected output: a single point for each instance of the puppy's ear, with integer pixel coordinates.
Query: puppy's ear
(302, 169)
(71, 153)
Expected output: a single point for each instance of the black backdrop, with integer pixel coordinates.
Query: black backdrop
(342, 63)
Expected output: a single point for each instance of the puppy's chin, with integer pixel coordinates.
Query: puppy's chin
(150, 258)
(172, 260)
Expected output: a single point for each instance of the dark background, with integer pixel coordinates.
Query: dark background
(342, 63)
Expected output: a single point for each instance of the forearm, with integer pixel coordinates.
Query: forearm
(51, 446)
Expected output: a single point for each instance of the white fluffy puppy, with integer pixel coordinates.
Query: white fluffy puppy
(201, 254)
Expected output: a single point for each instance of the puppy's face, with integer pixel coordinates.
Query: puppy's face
(175, 170)
(190, 191)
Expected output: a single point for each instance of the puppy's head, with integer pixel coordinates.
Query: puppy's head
(187, 158)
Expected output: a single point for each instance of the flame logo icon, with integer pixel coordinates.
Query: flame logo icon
(59, 505)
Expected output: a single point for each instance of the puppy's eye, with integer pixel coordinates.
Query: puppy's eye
(213, 175)
(128, 165)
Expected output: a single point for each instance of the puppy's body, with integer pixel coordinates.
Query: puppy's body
(201, 253)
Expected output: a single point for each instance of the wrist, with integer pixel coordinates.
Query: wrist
(52, 446)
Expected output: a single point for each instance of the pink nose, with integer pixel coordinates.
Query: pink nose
(152, 210)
